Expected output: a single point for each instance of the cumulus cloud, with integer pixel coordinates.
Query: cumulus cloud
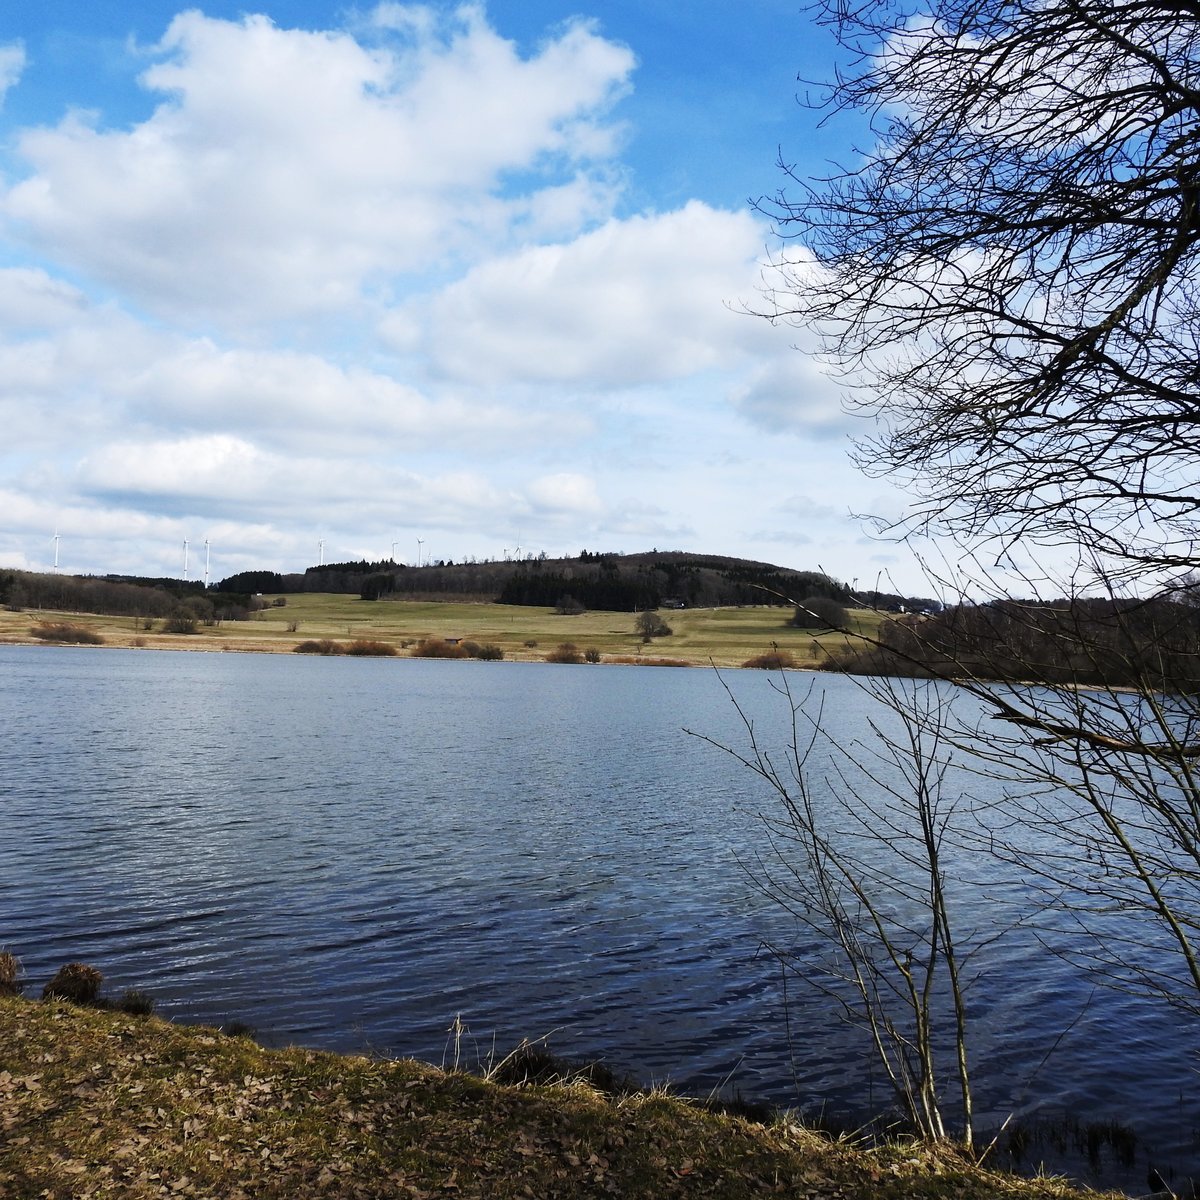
(636, 300)
(289, 170)
(791, 393)
(371, 282)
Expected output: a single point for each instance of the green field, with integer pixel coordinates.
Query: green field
(724, 636)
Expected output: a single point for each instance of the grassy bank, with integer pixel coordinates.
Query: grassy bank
(101, 1104)
(726, 636)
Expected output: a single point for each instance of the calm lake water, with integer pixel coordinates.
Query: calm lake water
(351, 853)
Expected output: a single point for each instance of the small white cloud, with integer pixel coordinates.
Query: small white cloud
(564, 494)
(12, 65)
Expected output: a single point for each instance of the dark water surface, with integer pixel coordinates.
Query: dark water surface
(349, 853)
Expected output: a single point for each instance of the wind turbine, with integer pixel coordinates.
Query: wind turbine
(321, 553)
(185, 558)
(206, 564)
(394, 551)
(56, 541)
(420, 543)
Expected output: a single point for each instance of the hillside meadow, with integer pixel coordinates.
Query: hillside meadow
(726, 637)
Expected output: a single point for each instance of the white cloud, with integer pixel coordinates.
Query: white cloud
(12, 66)
(791, 393)
(637, 300)
(289, 170)
(367, 284)
(564, 494)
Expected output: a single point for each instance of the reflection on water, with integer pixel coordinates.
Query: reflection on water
(349, 853)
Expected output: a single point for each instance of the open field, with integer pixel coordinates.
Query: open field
(724, 636)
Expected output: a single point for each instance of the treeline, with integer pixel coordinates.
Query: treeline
(344, 578)
(1147, 643)
(602, 581)
(647, 581)
(118, 596)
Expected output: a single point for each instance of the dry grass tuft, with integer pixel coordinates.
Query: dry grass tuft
(10, 974)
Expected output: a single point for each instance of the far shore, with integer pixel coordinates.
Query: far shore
(722, 637)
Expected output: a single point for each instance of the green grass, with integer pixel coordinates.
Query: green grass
(725, 636)
(102, 1104)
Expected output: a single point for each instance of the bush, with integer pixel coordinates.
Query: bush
(565, 652)
(591, 654)
(136, 1003)
(651, 625)
(76, 982)
(64, 631)
(365, 648)
(183, 621)
(531, 645)
(490, 653)
(436, 648)
(773, 660)
(822, 613)
(324, 646)
(568, 606)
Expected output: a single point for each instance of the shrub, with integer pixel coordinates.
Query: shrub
(471, 649)
(819, 612)
(531, 645)
(324, 646)
(76, 982)
(365, 648)
(490, 652)
(568, 606)
(183, 621)
(136, 1003)
(292, 626)
(773, 660)
(651, 625)
(565, 652)
(64, 631)
(591, 654)
(436, 648)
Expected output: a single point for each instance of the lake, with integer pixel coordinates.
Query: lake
(355, 853)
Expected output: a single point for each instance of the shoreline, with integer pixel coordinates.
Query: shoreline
(100, 1103)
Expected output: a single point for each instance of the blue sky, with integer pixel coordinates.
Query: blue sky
(297, 274)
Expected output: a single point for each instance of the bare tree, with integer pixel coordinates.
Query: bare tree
(1008, 276)
(1006, 280)
(855, 854)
